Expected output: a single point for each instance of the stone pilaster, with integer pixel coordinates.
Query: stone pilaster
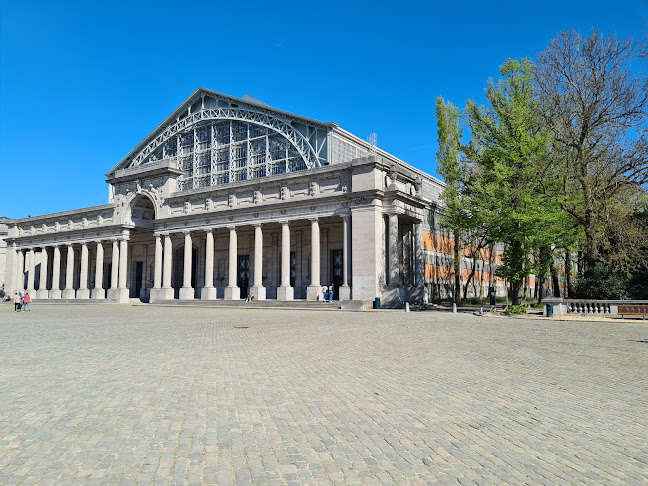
(285, 291)
(187, 291)
(98, 292)
(83, 292)
(314, 291)
(43, 293)
(69, 292)
(232, 291)
(209, 291)
(258, 291)
(56, 293)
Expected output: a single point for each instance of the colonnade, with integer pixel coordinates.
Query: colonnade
(25, 266)
(163, 265)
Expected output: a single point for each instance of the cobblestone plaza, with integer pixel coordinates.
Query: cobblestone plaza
(116, 394)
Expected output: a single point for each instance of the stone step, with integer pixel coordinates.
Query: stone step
(270, 303)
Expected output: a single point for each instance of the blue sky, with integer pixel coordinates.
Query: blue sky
(81, 83)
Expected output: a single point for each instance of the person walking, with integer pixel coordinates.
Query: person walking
(16, 302)
(331, 292)
(26, 302)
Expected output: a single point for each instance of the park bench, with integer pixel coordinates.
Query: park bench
(633, 310)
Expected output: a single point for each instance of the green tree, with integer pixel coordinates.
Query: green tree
(451, 170)
(509, 154)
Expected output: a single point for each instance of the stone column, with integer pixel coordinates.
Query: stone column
(314, 291)
(10, 270)
(232, 291)
(187, 291)
(258, 290)
(114, 269)
(393, 259)
(69, 293)
(43, 293)
(20, 272)
(121, 293)
(157, 272)
(55, 293)
(285, 291)
(167, 290)
(345, 290)
(83, 292)
(31, 270)
(419, 257)
(209, 291)
(154, 295)
(98, 292)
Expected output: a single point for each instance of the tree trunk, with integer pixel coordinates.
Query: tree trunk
(491, 266)
(591, 249)
(457, 267)
(481, 278)
(554, 278)
(569, 290)
(544, 260)
(516, 292)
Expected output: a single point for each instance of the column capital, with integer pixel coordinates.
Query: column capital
(186, 232)
(313, 219)
(284, 222)
(256, 224)
(209, 230)
(231, 227)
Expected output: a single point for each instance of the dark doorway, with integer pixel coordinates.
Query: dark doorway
(336, 271)
(292, 269)
(243, 278)
(179, 269)
(139, 271)
(107, 275)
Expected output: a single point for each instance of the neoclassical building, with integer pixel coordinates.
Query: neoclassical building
(229, 197)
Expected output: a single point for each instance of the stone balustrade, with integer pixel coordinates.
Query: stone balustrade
(587, 307)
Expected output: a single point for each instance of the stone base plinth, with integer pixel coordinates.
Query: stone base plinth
(69, 294)
(187, 293)
(55, 294)
(208, 293)
(42, 294)
(259, 293)
(158, 295)
(285, 293)
(232, 293)
(314, 292)
(83, 294)
(119, 295)
(98, 294)
(345, 292)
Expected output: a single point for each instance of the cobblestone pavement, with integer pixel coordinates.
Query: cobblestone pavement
(149, 395)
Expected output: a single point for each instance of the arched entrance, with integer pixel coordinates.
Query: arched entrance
(141, 252)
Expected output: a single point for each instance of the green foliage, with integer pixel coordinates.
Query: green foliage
(509, 154)
(602, 283)
(515, 309)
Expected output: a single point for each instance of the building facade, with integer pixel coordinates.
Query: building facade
(229, 197)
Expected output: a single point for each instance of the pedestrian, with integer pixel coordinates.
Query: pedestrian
(331, 292)
(16, 302)
(26, 302)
